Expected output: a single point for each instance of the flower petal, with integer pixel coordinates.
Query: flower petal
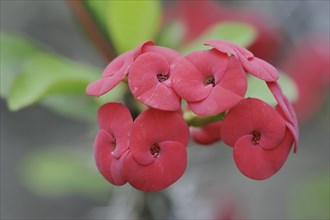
(259, 68)
(276, 90)
(167, 53)
(116, 119)
(119, 65)
(252, 115)
(164, 171)
(153, 127)
(208, 134)
(146, 87)
(257, 163)
(234, 78)
(286, 109)
(104, 85)
(108, 165)
(187, 81)
(209, 62)
(116, 71)
(292, 128)
(229, 89)
(161, 97)
(251, 64)
(218, 101)
(117, 169)
(229, 47)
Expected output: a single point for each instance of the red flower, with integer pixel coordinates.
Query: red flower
(208, 134)
(259, 137)
(158, 155)
(210, 81)
(255, 66)
(111, 143)
(118, 69)
(150, 82)
(115, 72)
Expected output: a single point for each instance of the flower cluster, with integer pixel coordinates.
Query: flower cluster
(150, 152)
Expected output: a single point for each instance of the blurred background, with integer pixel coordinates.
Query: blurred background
(47, 166)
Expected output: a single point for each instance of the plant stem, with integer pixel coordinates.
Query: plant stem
(87, 20)
(199, 121)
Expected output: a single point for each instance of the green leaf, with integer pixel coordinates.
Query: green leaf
(131, 22)
(310, 199)
(257, 88)
(46, 74)
(239, 33)
(74, 106)
(115, 94)
(172, 35)
(56, 173)
(14, 53)
(80, 106)
(29, 74)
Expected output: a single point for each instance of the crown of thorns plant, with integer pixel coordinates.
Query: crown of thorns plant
(150, 152)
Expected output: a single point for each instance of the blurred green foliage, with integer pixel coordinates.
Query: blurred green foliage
(56, 173)
(239, 33)
(131, 22)
(30, 74)
(172, 35)
(317, 205)
(257, 88)
(46, 74)
(14, 53)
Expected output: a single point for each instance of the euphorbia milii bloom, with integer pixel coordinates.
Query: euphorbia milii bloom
(259, 137)
(210, 81)
(255, 66)
(115, 72)
(118, 69)
(150, 82)
(158, 155)
(207, 134)
(111, 143)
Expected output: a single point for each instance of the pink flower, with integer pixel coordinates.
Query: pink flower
(115, 72)
(208, 134)
(118, 69)
(111, 143)
(255, 66)
(260, 139)
(158, 155)
(150, 82)
(210, 81)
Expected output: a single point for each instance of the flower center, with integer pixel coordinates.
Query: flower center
(155, 150)
(209, 80)
(113, 143)
(162, 77)
(256, 137)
